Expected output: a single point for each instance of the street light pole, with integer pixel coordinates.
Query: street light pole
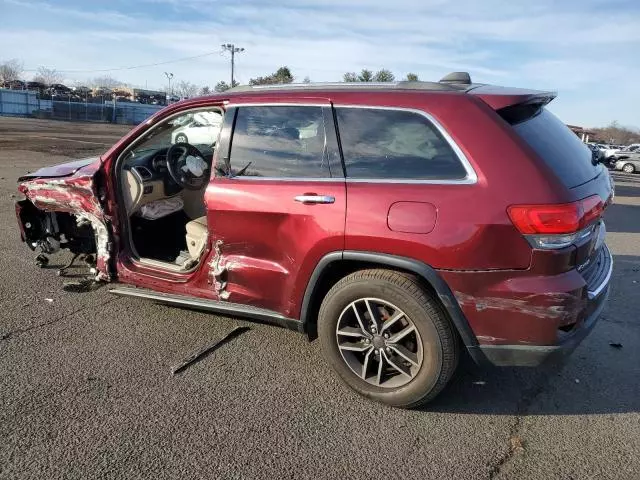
(230, 47)
(169, 76)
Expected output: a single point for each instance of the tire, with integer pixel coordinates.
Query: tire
(434, 338)
(628, 168)
(181, 138)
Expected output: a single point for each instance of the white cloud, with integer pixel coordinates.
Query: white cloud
(575, 47)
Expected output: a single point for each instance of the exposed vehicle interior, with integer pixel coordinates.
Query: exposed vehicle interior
(163, 180)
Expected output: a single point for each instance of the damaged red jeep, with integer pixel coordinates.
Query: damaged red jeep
(398, 223)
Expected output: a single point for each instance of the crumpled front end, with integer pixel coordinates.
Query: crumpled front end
(65, 213)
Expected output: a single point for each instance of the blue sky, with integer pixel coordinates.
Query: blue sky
(587, 50)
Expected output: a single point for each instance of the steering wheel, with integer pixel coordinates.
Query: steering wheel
(187, 167)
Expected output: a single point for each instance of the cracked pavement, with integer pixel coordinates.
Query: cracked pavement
(86, 389)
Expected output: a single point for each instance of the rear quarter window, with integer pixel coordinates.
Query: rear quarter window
(395, 144)
(557, 146)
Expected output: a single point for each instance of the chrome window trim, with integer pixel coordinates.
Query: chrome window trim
(276, 104)
(285, 179)
(471, 177)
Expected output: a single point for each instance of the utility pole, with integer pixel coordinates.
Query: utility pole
(169, 76)
(230, 47)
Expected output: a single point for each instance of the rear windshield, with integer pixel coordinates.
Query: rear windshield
(559, 147)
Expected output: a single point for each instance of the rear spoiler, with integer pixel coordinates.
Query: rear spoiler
(499, 98)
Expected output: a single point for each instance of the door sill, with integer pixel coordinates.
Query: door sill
(261, 315)
(169, 266)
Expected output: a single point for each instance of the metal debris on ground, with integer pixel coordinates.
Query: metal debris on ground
(516, 444)
(50, 300)
(615, 345)
(203, 352)
(82, 286)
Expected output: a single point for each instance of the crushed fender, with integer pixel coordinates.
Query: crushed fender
(76, 196)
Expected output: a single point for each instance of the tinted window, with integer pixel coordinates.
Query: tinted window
(281, 142)
(395, 144)
(559, 147)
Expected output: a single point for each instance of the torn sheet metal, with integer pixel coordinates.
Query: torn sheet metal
(75, 195)
(218, 270)
(203, 352)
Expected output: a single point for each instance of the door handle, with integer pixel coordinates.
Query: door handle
(315, 199)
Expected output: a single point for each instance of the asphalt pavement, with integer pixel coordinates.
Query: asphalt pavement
(86, 389)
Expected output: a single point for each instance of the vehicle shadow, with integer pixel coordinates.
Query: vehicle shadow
(600, 377)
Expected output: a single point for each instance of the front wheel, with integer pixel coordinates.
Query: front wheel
(628, 168)
(388, 338)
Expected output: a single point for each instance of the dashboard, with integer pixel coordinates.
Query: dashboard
(146, 176)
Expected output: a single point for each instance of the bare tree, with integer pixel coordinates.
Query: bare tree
(306, 80)
(10, 70)
(105, 81)
(617, 134)
(186, 89)
(205, 90)
(48, 76)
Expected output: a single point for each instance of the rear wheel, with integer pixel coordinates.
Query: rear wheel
(628, 168)
(387, 338)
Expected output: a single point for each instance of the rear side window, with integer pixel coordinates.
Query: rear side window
(557, 146)
(279, 142)
(395, 144)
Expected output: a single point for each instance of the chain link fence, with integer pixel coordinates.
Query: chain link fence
(25, 103)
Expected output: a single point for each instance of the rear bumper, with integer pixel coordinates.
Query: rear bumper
(534, 355)
(523, 318)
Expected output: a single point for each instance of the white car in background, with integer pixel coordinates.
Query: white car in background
(609, 150)
(201, 129)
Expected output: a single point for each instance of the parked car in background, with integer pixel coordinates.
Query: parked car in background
(621, 152)
(377, 218)
(628, 162)
(199, 130)
(608, 150)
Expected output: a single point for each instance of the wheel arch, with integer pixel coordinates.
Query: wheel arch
(336, 265)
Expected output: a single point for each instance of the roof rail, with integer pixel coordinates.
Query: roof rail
(402, 85)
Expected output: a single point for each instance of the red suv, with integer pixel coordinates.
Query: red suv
(396, 222)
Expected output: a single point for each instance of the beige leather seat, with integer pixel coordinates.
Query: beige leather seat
(197, 236)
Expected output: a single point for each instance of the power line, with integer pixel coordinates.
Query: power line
(134, 66)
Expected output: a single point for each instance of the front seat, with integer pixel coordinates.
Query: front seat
(197, 236)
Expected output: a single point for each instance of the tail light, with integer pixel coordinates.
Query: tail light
(557, 226)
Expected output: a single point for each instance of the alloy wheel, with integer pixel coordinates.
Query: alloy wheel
(379, 342)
